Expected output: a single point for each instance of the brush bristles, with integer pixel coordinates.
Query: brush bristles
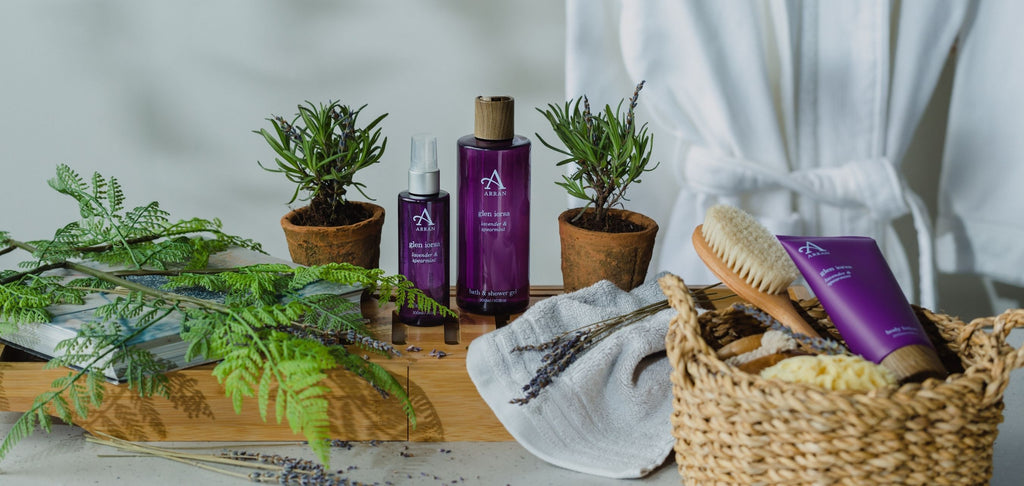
(749, 249)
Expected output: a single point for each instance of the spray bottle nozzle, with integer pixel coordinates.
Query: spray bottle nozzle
(424, 153)
(424, 176)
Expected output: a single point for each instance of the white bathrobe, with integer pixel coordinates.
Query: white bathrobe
(980, 226)
(801, 112)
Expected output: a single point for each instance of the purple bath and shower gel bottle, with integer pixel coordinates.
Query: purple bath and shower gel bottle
(423, 222)
(494, 213)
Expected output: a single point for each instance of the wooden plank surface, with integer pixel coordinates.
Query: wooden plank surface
(446, 402)
(447, 405)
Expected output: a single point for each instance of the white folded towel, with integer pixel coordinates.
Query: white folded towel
(608, 413)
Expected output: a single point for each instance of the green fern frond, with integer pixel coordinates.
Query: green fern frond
(201, 251)
(80, 399)
(53, 402)
(256, 286)
(144, 220)
(26, 296)
(237, 373)
(24, 304)
(253, 285)
(58, 292)
(95, 388)
(340, 273)
(208, 281)
(67, 181)
(124, 237)
(277, 343)
(59, 406)
(395, 288)
(143, 371)
(331, 312)
(115, 196)
(163, 253)
(23, 428)
(379, 378)
(61, 247)
(127, 307)
(197, 332)
(257, 318)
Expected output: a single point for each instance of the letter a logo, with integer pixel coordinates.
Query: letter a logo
(423, 218)
(812, 250)
(494, 179)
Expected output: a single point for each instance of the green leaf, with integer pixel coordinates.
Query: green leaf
(608, 151)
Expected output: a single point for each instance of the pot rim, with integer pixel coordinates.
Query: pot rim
(647, 223)
(376, 215)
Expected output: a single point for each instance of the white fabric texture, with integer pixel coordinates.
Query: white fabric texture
(797, 111)
(608, 413)
(980, 225)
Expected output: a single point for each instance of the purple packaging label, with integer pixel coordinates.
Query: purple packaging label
(856, 287)
(423, 252)
(493, 225)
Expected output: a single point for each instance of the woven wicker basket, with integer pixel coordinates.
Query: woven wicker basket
(732, 427)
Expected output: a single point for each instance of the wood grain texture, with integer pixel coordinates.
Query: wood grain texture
(447, 405)
(446, 402)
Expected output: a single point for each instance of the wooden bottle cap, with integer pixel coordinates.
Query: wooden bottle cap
(495, 116)
(914, 363)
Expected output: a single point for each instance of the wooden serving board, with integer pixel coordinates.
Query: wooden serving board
(447, 405)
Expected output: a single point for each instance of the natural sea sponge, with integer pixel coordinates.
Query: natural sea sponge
(834, 372)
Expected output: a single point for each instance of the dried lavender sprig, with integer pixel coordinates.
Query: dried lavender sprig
(565, 349)
(290, 470)
(284, 471)
(588, 118)
(436, 353)
(607, 324)
(333, 338)
(366, 341)
(816, 344)
(632, 104)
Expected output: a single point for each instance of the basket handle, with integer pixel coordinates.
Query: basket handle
(683, 338)
(1005, 357)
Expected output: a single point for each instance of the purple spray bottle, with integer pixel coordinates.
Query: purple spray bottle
(423, 219)
(494, 212)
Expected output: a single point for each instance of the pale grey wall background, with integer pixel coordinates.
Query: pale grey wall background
(164, 96)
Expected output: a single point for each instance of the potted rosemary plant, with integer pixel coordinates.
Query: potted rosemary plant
(320, 150)
(607, 153)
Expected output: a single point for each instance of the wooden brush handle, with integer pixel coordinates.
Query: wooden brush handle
(777, 305)
(739, 346)
(781, 308)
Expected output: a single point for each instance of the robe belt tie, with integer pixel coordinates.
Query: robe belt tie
(872, 184)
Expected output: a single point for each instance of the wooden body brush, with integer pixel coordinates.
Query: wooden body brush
(748, 259)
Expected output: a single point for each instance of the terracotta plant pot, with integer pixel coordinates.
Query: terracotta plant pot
(591, 256)
(358, 244)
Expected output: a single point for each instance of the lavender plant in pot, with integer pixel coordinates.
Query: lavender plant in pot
(606, 152)
(320, 150)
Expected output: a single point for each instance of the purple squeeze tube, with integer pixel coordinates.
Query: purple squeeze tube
(493, 275)
(856, 287)
(423, 217)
